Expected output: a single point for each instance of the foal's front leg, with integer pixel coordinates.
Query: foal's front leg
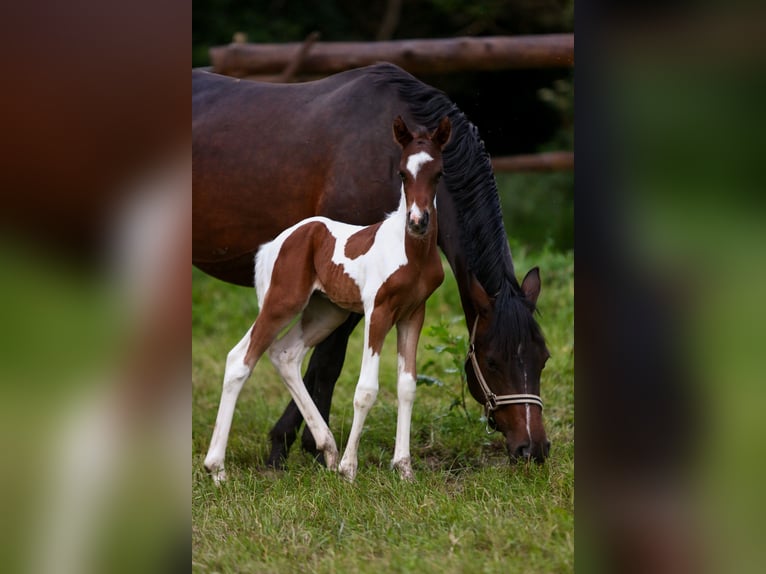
(375, 328)
(408, 334)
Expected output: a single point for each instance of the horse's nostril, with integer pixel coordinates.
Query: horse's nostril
(522, 452)
(526, 452)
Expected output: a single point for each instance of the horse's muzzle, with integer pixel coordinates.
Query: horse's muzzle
(418, 225)
(525, 452)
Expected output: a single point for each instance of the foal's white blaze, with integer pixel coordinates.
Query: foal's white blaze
(416, 161)
(415, 213)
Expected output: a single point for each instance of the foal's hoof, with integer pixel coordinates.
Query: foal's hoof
(331, 459)
(347, 471)
(217, 474)
(404, 468)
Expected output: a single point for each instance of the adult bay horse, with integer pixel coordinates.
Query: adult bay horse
(323, 270)
(265, 156)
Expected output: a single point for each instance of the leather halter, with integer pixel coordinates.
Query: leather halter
(494, 401)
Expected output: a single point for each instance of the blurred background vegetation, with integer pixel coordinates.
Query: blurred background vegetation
(516, 111)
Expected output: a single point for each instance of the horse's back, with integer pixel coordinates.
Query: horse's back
(268, 155)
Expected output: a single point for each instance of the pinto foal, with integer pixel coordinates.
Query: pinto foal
(325, 270)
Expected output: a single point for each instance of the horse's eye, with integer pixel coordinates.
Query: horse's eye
(438, 176)
(402, 175)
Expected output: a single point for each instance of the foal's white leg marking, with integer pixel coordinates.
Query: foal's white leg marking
(319, 319)
(408, 334)
(364, 397)
(405, 388)
(237, 372)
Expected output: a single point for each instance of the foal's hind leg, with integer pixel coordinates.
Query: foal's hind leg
(321, 375)
(237, 372)
(319, 319)
(240, 362)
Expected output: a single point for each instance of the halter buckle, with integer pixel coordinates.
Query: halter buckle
(491, 402)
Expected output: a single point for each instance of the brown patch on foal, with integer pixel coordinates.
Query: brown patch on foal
(361, 242)
(305, 260)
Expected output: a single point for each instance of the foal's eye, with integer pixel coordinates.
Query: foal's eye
(402, 175)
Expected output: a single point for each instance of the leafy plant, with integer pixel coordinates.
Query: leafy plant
(454, 348)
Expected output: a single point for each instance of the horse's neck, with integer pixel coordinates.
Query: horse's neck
(450, 242)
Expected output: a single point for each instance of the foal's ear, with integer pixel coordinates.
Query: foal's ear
(401, 132)
(442, 133)
(531, 285)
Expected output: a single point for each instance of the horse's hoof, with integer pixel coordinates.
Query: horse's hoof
(276, 461)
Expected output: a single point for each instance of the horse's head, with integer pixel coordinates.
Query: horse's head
(420, 168)
(506, 357)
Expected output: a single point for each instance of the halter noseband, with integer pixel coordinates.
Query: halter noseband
(494, 401)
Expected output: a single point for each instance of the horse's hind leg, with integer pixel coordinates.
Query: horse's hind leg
(321, 375)
(319, 319)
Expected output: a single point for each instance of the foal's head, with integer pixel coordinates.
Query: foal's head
(420, 169)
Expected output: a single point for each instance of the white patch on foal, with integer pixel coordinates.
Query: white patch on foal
(369, 271)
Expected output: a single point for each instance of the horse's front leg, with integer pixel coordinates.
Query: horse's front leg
(376, 326)
(408, 334)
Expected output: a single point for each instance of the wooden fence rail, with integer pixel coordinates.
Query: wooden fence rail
(416, 56)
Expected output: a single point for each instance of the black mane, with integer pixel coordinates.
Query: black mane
(471, 183)
(468, 177)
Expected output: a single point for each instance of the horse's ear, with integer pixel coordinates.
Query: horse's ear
(401, 132)
(442, 133)
(482, 302)
(531, 285)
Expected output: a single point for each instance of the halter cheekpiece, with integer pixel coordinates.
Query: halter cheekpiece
(494, 401)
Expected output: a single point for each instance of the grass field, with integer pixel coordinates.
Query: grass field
(468, 510)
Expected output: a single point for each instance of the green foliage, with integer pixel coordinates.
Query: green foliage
(454, 348)
(539, 208)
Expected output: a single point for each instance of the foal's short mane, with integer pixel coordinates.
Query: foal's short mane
(470, 181)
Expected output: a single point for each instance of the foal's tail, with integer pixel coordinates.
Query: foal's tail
(264, 266)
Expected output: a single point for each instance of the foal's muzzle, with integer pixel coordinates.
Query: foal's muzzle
(418, 225)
